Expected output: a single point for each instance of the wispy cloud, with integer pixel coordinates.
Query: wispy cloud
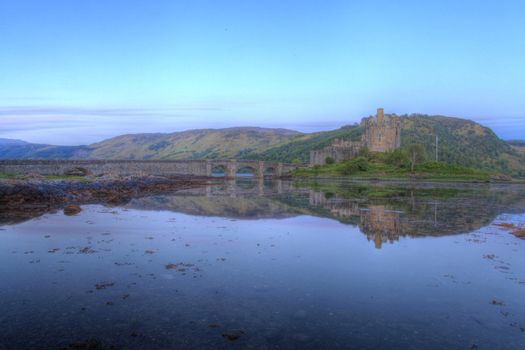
(72, 125)
(75, 125)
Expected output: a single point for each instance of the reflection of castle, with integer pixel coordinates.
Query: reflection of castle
(381, 133)
(380, 224)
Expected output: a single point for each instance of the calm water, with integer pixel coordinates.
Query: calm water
(251, 265)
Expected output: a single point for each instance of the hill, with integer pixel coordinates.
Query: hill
(16, 149)
(11, 142)
(298, 149)
(192, 144)
(518, 146)
(461, 142)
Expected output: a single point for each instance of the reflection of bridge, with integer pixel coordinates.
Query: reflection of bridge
(203, 167)
(243, 188)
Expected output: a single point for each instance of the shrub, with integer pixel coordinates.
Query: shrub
(397, 158)
(329, 160)
(353, 166)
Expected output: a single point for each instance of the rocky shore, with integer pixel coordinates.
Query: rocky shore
(33, 195)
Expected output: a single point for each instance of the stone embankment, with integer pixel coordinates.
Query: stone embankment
(36, 191)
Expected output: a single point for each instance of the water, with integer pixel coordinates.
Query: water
(273, 265)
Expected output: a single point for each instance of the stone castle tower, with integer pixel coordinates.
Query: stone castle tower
(381, 134)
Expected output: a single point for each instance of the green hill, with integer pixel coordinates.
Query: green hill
(192, 144)
(518, 146)
(298, 149)
(461, 142)
(24, 150)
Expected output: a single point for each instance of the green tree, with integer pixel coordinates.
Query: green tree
(398, 158)
(416, 154)
(353, 166)
(329, 160)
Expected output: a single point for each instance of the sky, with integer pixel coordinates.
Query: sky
(77, 72)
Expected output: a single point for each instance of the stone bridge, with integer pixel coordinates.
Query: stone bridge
(230, 168)
(240, 188)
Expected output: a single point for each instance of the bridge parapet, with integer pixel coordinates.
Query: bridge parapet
(149, 167)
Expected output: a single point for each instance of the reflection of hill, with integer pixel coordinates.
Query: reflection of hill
(223, 206)
(418, 212)
(382, 212)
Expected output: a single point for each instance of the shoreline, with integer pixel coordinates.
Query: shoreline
(416, 179)
(17, 193)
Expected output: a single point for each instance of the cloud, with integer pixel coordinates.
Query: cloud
(74, 125)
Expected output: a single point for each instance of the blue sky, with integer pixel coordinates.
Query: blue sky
(79, 71)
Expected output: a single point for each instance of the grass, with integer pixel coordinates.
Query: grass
(8, 176)
(370, 191)
(376, 169)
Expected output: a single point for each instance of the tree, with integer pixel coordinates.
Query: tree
(329, 160)
(416, 154)
(353, 166)
(398, 158)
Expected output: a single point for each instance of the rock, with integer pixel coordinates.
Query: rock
(519, 233)
(104, 285)
(170, 266)
(500, 178)
(72, 209)
(86, 344)
(233, 335)
(35, 176)
(77, 171)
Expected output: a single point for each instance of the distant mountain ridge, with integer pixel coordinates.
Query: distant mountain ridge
(461, 141)
(190, 144)
(518, 146)
(11, 142)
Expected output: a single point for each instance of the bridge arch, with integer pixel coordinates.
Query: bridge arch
(246, 171)
(218, 170)
(269, 171)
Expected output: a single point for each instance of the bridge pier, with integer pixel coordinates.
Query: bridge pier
(209, 168)
(231, 188)
(279, 186)
(260, 170)
(260, 186)
(278, 170)
(231, 169)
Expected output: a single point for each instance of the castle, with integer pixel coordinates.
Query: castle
(381, 134)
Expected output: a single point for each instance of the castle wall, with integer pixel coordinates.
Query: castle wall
(381, 134)
(339, 151)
